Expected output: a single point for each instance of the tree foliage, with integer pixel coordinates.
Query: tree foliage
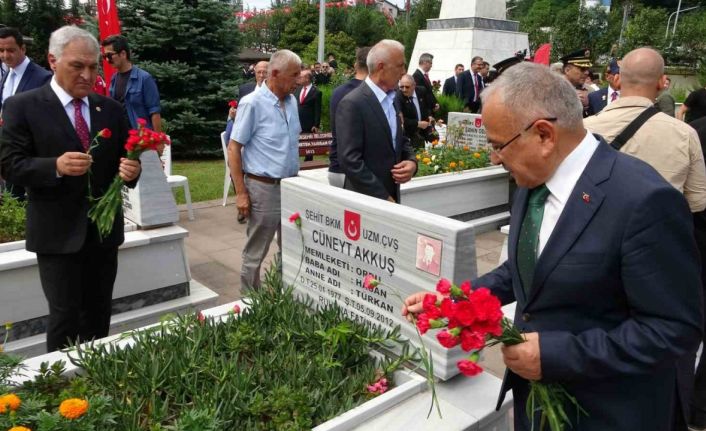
(301, 27)
(188, 49)
(339, 44)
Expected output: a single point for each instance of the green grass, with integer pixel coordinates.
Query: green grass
(205, 179)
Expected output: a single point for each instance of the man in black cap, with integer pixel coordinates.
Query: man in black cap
(576, 66)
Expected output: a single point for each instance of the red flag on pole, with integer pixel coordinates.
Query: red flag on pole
(541, 55)
(108, 25)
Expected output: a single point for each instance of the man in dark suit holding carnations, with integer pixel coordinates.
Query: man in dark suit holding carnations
(44, 147)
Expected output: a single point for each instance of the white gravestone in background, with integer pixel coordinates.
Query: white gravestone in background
(472, 132)
(151, 203)
(348, 235)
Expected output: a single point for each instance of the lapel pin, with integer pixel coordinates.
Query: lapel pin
(98, 108)
(586, 197)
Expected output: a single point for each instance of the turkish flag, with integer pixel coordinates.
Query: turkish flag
(351, 225)
(541, 55)
(108, 25)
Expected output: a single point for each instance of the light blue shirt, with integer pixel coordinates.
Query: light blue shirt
(67, 103)
(387, 100)
(269, 135)
(18, 72)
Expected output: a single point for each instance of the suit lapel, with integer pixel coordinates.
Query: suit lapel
(25, 78)
(518, 214)
(57, 111)
(378, 113)
(585, 199)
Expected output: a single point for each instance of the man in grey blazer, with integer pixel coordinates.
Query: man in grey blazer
(372, 149)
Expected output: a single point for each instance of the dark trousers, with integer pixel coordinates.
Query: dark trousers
(79, 289)
(698, 398)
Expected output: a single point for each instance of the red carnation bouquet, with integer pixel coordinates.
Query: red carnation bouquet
(233, 104)
(473, 319)
(104, 209)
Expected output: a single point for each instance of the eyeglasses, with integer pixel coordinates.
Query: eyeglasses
(404, 86)
(497, 150)
(108, 55)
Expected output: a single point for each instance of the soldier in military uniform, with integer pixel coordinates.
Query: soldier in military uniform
(575, 69)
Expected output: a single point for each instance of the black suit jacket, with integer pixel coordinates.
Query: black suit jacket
(34, 77)
(449, 88)
(37, 131)
(597, 101)
(310, 110)
(365, 145)
(468, 90)
(410, 118)
(422, 83)
(246, 89)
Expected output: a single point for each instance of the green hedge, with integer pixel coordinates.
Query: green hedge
(12, 218)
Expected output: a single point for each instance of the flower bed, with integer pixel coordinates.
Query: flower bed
(276, 366)
(12, 219)
(444, 158)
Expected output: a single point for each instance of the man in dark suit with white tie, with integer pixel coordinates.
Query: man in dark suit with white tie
(471, 86)
(44, 147)
(451, 85)
(421, 79)
(601, 261)
(372, 149)
(23, 74)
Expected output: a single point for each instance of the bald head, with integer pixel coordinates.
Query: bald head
(641, 73)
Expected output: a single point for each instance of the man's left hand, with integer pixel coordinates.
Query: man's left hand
(524, 359)
(129, 169)
(403, 171)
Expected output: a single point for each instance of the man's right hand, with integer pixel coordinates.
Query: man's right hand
(242, 202)
(422, 124)
(73, 164)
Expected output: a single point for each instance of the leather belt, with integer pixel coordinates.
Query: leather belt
(262, 179)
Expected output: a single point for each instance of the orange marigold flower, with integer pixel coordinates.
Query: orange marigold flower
(19, 429)
(476, 155)
(73, 408)
(9, 401)
(418, 157)
(460, 163)
(466, 148)
(452, 165)
(434, 143)
(426, 160)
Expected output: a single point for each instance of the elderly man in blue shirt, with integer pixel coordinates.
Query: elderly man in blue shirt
(263, 149)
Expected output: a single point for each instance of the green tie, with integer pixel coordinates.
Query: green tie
(529, 236)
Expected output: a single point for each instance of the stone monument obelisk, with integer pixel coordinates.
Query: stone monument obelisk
(465, 29)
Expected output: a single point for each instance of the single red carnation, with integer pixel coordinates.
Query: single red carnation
(466, 288)
(443, 286)
(429, 302)
(447, 340)
(370, 283)
(465, 313)
(423, 323)
(233, 103)
(105, 133)
(469, 368)
(141, 122)
(471, 340)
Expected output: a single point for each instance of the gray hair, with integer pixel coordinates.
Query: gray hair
(67, 34)
(381, 51)
(557, 67)
(409, 78)
(282, 59)
(531, 91)
(426, 57)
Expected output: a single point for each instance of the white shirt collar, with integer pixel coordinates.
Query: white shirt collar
(564, 179)
(63, 96)
(20, 69)
(379, 93)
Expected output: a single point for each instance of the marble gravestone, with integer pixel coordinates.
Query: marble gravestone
(151, 203)
(347, 235)
(465, 29)
(471, 132)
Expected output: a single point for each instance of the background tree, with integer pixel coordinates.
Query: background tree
(190, 50)
(301, 27)
(366, 25)
(340, 44)
(645, 28)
